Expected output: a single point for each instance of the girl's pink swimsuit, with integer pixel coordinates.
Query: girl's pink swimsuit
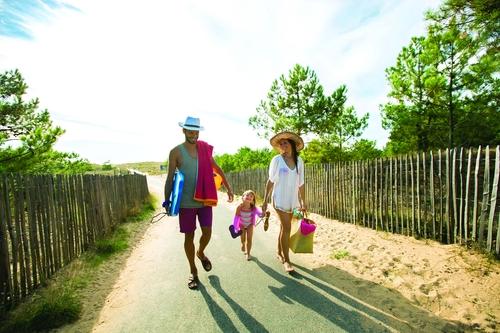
(238, 222)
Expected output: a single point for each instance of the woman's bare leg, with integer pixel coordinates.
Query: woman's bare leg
(279, 251)
(286, 225)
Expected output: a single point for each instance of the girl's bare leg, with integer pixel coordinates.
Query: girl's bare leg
(249, 241)
(243, 239)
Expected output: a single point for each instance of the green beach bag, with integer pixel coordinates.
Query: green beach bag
(302, 235)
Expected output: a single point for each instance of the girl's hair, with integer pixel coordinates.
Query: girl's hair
(253, 204)
(295, 153)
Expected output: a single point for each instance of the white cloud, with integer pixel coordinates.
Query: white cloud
(120, 75)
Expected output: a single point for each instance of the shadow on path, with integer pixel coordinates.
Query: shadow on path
(341, 315)
(387, 305)
(250, 323)
(219, 315)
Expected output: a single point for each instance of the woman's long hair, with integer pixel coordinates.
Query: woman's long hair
(295, 154)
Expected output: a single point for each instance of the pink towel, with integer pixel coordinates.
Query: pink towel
(205, 184)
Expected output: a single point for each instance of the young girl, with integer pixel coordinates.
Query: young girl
(244, 220)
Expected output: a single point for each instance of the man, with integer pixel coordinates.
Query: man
(194, 159)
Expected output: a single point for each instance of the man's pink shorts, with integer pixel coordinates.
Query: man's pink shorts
(187, 218)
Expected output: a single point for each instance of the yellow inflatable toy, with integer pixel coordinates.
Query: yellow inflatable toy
(217, 180)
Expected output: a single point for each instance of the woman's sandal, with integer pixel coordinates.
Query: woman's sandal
(205, 262)
(288, 267)
(193, 282)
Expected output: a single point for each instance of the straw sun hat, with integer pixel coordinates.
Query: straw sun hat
(275, 140)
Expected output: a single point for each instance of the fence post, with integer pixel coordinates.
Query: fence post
(493, 203)
(486, 195)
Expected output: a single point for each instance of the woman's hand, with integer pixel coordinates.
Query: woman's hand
(264, 208)
(303, 208)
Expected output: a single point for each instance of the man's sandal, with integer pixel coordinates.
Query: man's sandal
(205, 262)
(193, 282)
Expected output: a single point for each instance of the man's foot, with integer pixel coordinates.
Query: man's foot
(207, 265)
(193, 282)
(288, 267)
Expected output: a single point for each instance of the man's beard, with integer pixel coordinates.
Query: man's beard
(191, 140)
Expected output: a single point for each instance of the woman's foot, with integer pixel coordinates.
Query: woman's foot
(288, 267)
(243, 247)
(280, 257)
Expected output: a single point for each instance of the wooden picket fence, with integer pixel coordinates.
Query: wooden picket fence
(449, 196)
(48, 220)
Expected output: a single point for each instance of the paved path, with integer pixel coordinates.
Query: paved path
(151, 294)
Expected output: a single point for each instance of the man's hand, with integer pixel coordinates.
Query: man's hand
(230, 196)
(165, 205)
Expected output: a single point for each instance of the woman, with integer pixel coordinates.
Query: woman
(286, 182)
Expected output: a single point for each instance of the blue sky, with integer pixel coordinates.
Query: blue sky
(118, 75)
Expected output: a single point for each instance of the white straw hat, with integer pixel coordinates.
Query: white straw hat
(192, 124)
